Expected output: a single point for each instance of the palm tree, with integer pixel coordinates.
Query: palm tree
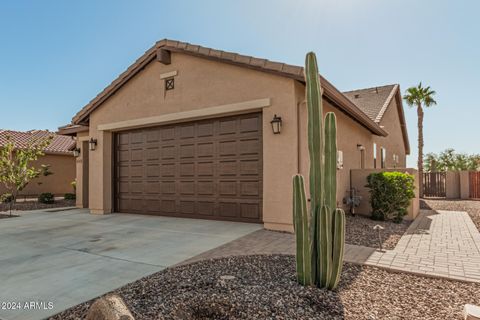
(418, 97)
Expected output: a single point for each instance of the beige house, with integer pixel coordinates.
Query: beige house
(187, 131)
(58, 156)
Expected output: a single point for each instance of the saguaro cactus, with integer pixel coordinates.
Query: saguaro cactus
(319, 228)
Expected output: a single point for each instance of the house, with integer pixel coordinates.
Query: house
(58, 156)
(188, 131)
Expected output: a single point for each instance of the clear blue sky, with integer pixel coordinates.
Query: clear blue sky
(55, 56)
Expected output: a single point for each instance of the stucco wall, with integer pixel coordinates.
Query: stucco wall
(349, 135)
(452, 185)
(59, 183)
(393, 143)
(201, 83)
(82, 139)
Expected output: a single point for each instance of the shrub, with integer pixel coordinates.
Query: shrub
(6, 198)
(390, 194)
(70, 196)
(46, 197)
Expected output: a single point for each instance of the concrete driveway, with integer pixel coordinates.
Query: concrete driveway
(68, 257)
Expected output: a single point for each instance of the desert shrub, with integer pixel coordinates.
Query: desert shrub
(390, 194)
(46, 197)
(6, 198)
(70, 196)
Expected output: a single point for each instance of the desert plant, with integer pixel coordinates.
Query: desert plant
(16, 170)
(418, 97)
(46, 197)
(69, 196)
(6, 198)
(319, 229)
(390, 194)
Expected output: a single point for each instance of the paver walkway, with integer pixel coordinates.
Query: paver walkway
(438, 243)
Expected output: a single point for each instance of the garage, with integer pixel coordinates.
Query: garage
(209, 169)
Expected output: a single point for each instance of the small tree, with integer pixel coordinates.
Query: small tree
(16, 170)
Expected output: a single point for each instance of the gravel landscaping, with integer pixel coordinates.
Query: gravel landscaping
(264, 287)
(35, 205)
(470, 206)
(359, 231)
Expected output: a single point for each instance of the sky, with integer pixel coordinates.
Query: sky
(55, 56)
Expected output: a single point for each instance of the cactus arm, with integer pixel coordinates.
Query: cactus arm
(302, 236)
(338, 247)
(330, 182)
(315, 130)
(324, 248)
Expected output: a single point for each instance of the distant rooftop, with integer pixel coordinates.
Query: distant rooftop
(60, 144)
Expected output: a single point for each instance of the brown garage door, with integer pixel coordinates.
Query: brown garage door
(204, 169)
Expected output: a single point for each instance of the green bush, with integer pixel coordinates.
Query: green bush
(6, 198)
(46, 197)
(70, 196)
(390, 194)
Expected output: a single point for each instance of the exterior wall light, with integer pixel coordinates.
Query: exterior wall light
(76, 152)
(339, 159)
(276, 124)
(92, 144)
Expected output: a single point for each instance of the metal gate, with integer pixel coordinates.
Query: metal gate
(474, 177)
(434, 184)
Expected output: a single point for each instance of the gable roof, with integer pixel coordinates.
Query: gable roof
(375, 101)
(59, 145)
(282, 69)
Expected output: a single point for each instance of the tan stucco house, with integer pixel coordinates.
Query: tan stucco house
(186, 131)
(58, 156)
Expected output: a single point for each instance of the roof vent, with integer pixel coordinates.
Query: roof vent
(356, 96)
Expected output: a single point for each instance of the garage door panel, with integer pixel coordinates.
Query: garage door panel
(205, 169)
(208, 169)
(205, 129)
(227, 148)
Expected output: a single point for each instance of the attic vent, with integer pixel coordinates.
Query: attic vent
(356, 96)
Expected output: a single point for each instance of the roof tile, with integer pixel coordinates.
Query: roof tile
(59, 144)
(371, 100)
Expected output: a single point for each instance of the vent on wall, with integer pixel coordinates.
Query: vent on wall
(169, 84)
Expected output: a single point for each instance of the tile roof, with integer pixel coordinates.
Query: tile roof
(373, 101)
(60, 144)
(278, 68)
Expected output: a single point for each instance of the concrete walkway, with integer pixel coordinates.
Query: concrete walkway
(68, 257)
(442, 244)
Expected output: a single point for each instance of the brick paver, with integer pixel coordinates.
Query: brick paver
(438, 243)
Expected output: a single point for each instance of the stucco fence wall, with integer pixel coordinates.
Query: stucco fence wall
(58, 183)
(457, 185)
(359, 180)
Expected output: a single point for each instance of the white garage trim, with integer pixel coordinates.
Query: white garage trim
(226, 109)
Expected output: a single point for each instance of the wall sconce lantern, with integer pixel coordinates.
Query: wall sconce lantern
(76, 152)
(276, 124)
(92, 144)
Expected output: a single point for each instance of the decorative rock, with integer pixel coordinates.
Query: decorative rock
(471, 312)
(110, 307)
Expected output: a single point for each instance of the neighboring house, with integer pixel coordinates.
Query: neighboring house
(58, 156)
(186, 131)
